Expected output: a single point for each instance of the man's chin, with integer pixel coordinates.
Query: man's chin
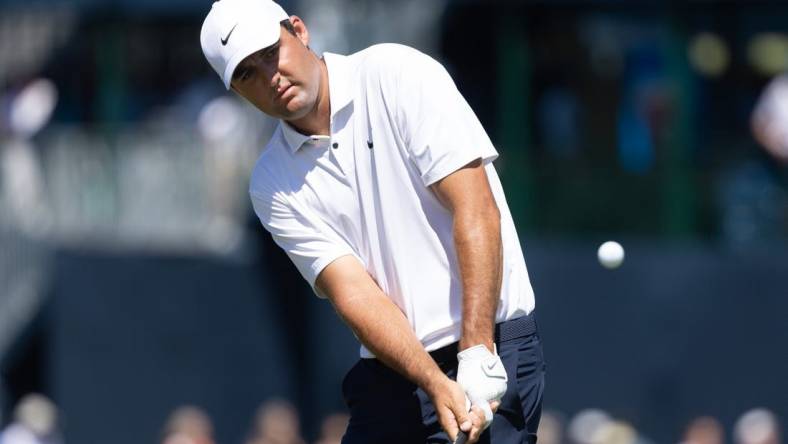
(294, 114)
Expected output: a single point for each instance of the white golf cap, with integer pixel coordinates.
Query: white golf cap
(235, 29)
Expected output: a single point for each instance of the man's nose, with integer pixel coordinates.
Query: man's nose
(273, 74)
(275, 79)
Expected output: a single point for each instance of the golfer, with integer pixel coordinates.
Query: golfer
(379, 185)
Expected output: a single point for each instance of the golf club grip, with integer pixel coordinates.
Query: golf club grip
(462, 438)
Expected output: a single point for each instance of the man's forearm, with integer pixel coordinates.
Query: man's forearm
(379, 324)
(384, 330)
(477, 237)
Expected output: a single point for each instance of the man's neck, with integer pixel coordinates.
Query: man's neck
(318, 121)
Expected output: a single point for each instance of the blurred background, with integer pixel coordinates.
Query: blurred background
(141, 301)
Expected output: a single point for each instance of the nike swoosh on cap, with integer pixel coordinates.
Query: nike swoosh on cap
(226, 39)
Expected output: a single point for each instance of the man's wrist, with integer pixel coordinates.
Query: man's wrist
(466, 343)
(434, 382)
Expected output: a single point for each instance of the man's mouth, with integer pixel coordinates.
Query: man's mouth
(281, 93)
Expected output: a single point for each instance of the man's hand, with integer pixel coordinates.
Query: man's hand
(452, 408)
(482, 375)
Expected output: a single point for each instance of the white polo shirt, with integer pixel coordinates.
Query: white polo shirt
(398, 124)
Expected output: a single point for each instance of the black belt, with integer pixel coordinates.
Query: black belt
(515, 328)
(504, 331)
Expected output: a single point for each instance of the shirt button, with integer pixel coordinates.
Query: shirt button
(335, 145)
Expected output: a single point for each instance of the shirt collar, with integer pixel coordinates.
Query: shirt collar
(340, 94)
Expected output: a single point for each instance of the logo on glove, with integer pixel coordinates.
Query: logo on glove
(490, 369)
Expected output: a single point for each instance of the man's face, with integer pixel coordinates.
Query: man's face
(282, 80)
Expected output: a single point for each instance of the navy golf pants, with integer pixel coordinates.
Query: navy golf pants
(386, 408)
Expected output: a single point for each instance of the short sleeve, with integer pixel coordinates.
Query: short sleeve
(441, 131)
(307, 240)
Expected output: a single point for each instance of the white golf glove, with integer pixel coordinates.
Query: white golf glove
(482, 375)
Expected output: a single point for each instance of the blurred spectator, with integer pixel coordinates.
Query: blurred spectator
(615, 432)
(757, 426)
(586, 424)
(551, 428)
(276, 422)
(333, 428)
(595, 426)
(704, 430)
(769, 120)
(35, 422)
(188, 425)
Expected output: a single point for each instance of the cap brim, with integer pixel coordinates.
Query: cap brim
(247, 50)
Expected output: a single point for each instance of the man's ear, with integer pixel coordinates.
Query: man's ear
(302, 33)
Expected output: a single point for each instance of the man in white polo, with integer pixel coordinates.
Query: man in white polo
(379, 185)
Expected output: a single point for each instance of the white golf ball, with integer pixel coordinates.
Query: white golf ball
(610, 254)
